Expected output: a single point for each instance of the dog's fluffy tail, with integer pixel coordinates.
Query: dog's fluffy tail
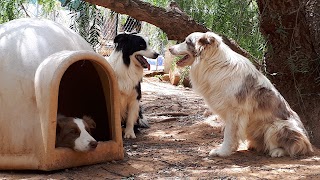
(294, 142)
(293, 139)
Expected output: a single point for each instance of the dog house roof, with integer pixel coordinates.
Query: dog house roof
(24, 45)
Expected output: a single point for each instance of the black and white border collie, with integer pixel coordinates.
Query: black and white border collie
(128, 62)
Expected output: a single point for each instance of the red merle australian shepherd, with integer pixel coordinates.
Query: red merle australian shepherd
(244, 98)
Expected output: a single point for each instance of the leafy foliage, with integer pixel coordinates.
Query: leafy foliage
(233, 18)
(11, 9)
(87, 20)
(47, 5)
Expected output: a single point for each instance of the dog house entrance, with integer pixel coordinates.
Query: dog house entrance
(82, 92)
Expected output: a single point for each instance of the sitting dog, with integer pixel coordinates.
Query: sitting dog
(74, 133)
(244, 98)
(128, 62)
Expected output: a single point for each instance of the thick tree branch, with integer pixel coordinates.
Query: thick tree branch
(174, 22)
(155, 15)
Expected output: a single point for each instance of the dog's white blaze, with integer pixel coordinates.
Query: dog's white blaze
(82, 142)
(149, 53)
(180, 49)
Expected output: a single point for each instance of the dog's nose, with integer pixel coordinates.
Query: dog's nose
(170, 49)
(155, 55)
(93, 144)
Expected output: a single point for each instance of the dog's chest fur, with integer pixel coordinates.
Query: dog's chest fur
(218, 79)
(128, 79)
(128, 76)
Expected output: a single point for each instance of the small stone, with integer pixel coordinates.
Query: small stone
(134, 146)
(175, 107)
(165, 77)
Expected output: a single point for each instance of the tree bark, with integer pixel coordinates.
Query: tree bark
(292, 31)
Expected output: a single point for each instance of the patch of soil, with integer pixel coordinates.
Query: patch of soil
(177, 146)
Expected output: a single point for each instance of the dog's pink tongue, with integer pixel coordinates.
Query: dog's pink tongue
(145, 63)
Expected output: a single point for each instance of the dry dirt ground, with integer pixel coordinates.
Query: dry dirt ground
(176, 146)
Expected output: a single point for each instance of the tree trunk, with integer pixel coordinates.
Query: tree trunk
(292, 31)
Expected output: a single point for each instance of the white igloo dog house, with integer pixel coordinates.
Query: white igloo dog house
(46, 68)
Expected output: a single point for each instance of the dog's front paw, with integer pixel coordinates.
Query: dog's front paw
(220, 152)
(277, 152)
(129, 134)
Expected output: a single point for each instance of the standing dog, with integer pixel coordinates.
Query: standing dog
(128, 62)
(245, 99)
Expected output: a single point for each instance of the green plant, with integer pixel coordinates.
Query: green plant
(236, 19)
(87, 20)
(13, 9)
(184, 71)
(9, 10)
(184, 74)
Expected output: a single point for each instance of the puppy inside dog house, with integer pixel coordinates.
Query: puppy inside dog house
(46, 69)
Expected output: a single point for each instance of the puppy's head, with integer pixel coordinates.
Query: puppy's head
(134, 48)
(74, 133)
(194, 46)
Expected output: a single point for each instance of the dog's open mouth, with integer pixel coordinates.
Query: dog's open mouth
(183, 61)
(144, 63)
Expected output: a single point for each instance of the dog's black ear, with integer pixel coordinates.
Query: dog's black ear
(89, 121)
(121, 38)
